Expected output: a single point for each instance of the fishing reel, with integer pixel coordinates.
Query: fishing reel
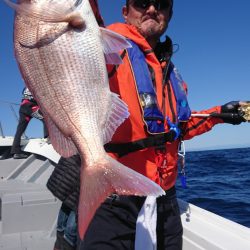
(233, 116)
(244, 111)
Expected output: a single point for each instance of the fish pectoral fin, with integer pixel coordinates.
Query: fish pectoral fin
(106, 177)
(62, 145)
(113, 44)
(45, 11)
(118, 112)
(113, 59)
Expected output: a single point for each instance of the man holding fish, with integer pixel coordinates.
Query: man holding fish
(151, 96)
(146, 141)
(59, 46)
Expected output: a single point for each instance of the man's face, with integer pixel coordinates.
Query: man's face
(149, 17)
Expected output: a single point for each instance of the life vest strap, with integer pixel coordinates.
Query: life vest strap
(152, 141)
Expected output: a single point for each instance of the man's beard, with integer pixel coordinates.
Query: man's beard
(151, 33)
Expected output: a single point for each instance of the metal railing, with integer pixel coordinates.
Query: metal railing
(11, 106)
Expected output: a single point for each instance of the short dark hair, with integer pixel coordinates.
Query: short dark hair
(172, 2)
(171, 10)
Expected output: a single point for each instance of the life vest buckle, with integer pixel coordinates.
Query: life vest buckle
(173, 127)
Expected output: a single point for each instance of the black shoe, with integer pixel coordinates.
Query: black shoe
(20, 156)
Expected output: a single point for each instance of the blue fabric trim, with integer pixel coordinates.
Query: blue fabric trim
(141, 70)
(183, 109)
(145, 85)
(153, 117)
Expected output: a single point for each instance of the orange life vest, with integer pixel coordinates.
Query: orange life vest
(123, 83)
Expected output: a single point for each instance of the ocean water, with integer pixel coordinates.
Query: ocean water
(219, 181)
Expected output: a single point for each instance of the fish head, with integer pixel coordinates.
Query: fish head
(78, 13)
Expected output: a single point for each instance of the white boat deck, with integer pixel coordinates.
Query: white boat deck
(29, 211)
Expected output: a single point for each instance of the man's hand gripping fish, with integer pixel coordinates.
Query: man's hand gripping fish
(60, 51)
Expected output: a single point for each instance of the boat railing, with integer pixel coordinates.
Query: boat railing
(1, 130)
(11, 106)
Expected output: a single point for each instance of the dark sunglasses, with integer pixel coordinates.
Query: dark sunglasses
(159, 4)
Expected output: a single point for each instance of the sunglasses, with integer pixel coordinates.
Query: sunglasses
(159, 4)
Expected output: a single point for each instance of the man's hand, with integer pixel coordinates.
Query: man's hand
(232, 113)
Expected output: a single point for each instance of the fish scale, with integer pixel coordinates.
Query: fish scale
(64, 67)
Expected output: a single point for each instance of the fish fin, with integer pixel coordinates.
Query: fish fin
(45, 11)
(62, 145)
(113, 58)
(113, 43)
(118, 112)
(106, 177)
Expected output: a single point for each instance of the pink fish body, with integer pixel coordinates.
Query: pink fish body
(65, 69)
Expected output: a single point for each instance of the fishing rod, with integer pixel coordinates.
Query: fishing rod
(11, 103)
(243, 111)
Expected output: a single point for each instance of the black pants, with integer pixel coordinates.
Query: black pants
(25, 115)
(114, 224)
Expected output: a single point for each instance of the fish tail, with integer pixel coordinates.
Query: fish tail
(46, 11)
(104, 178)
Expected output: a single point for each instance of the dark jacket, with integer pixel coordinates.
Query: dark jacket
(64, 182)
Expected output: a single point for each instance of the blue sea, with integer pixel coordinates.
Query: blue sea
(219, 181)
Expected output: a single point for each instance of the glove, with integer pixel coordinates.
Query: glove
(230, 113)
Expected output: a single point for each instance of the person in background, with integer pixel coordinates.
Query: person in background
(28, 109)
(148, 141)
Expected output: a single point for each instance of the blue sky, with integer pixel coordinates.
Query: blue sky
(213, 58)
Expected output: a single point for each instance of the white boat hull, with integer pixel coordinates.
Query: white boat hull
(29, 211)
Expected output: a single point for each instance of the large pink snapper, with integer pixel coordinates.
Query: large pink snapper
(60, 51)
